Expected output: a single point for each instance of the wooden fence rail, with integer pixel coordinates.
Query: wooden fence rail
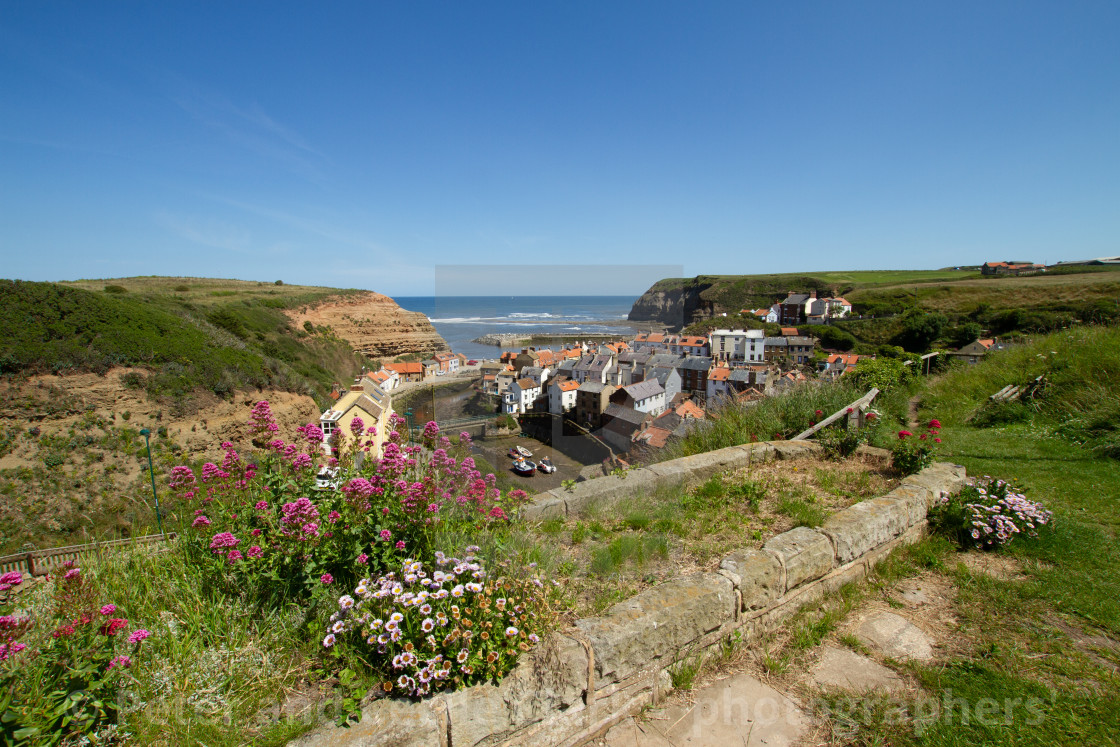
(854, 412)
(41, 562)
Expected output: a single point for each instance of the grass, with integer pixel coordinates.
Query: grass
(670, 531)
(212, 666)
(770, 419)
(1030, 649)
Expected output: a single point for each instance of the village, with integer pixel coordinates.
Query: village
(632, 395)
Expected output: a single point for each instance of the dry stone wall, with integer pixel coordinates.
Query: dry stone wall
(582, 680)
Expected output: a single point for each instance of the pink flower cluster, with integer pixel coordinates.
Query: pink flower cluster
(261, 421)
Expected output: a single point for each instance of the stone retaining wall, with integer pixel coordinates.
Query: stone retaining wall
(582, 680)
(606, 491)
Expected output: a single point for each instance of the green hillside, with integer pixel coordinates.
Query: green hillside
(916, 310)
(191, 334)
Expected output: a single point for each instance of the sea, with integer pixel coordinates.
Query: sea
(460, 319)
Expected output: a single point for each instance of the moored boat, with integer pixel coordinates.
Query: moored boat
(545, 465)
(524, 467)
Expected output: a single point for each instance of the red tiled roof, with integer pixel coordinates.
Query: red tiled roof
(688, 409)
(411, 367)
(655, 436)
(719, 373)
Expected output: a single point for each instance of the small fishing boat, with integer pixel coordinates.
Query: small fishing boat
(546, 466)
(524, 467)
(520, 452)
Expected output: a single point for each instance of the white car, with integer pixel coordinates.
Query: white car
(326, 478)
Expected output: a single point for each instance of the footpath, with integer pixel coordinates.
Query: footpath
(771, 696)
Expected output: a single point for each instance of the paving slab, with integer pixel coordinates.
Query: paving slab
(912, 594)
(735, 712)
(839, 667)
(892, 635)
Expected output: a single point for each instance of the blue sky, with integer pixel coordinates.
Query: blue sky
(369, 144)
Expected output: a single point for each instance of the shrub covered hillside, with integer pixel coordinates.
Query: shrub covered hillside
(233, 341)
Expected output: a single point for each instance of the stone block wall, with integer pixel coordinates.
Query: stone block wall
(584, 679)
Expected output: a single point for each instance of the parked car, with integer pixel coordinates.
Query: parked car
(326, 478)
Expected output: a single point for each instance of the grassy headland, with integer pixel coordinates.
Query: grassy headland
(963, 302)
(190, 334)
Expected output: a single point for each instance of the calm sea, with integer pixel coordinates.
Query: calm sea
(460, 319)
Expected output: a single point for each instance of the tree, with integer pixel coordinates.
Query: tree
(919, 330)
(964, 334)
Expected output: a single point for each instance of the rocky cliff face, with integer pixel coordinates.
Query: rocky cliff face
(374, 324)
(674, 306)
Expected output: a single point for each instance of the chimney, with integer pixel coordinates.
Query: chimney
(335, 394)
(813, 293)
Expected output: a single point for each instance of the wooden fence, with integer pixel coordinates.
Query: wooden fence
(42, 562)
(853, 412)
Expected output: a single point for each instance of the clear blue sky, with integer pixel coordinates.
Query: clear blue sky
(367, 144)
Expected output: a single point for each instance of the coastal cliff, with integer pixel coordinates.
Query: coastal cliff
(675, 303)
(679, 302)
(373, 324)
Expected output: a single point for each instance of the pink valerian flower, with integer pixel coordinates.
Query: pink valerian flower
(231, 460)
(363, 559)
(904, 434)
(108, 609)
(261, 421)
(63, 631)
(234, 556)
(937, 440)
(849, 411)
(223, 540)
(139, 635)
(818, 413)
(334, 516)
(7, 649)
(297, 516)
(111, 627)
(256, 532)
(326, 579)
(212, 472)
(122, 661)
(10, 579)
(357, 425)
(312, 434)
(255, 551)
(400, 544)
(261, 505)
(200, 521)
(181, 477)
(385, 534)
(935, 423)
(72, 574)
(301, 462)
